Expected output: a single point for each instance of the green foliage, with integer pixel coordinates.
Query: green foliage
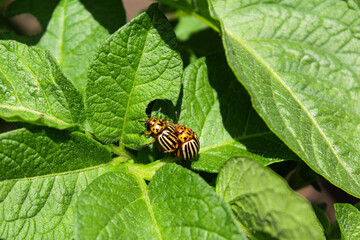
(276, 81)
(354, 4)
(303, 80)
(33, 88)
(69, 45)
(196, 39)
(188, 26)
(262, 206)
(137, 64)
(177, 204)
(226, 125)
(198, 8)
(348, 218)
(320, 211)
(23, 154)
(43, 207)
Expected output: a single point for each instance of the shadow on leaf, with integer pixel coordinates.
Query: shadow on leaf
(239, 117)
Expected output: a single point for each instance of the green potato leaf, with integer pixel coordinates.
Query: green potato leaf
(27, 153)
(219, 110)
(43, 207)
(264, 204)
(74, 33)
(299, 60)
(348, 218)
(188, 25)
(320, 211)
(196, 39)
(177, 204)
(199, 8)
(33, 89)
(137, 64)
(354, 4)
(42, 172)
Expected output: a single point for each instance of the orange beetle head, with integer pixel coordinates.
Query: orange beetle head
(180, 130)
(155, 125)
(184, 133)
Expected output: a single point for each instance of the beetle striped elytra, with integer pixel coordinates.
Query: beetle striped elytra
(168, 139)
(189, 143)
(172, 138)
(163, 132)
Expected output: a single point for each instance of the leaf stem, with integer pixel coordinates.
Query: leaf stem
(147, 171)
(121, 152)
(122, 159)
(207, 22)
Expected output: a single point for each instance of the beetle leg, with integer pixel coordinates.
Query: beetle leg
(146, 133)
(160, 148)
(173, 150)
(178, 153)
(170, 151)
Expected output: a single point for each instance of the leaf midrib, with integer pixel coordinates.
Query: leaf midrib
(144, 190)
(290, 8)
(16, 93)
(35, 78)
(41, 115)
(133, 85)
(61, 38)
(230, 34)
(59, 174)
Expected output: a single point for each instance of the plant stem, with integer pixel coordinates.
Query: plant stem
(147, 171)
(121, 151)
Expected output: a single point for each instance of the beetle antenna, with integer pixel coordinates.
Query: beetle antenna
(177, 118)
(141, 121)
(157, 112)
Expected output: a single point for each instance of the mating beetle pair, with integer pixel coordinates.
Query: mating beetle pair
(172, 137)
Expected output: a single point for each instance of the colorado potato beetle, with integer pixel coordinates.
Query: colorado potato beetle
(188, 141)
(163, 132)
